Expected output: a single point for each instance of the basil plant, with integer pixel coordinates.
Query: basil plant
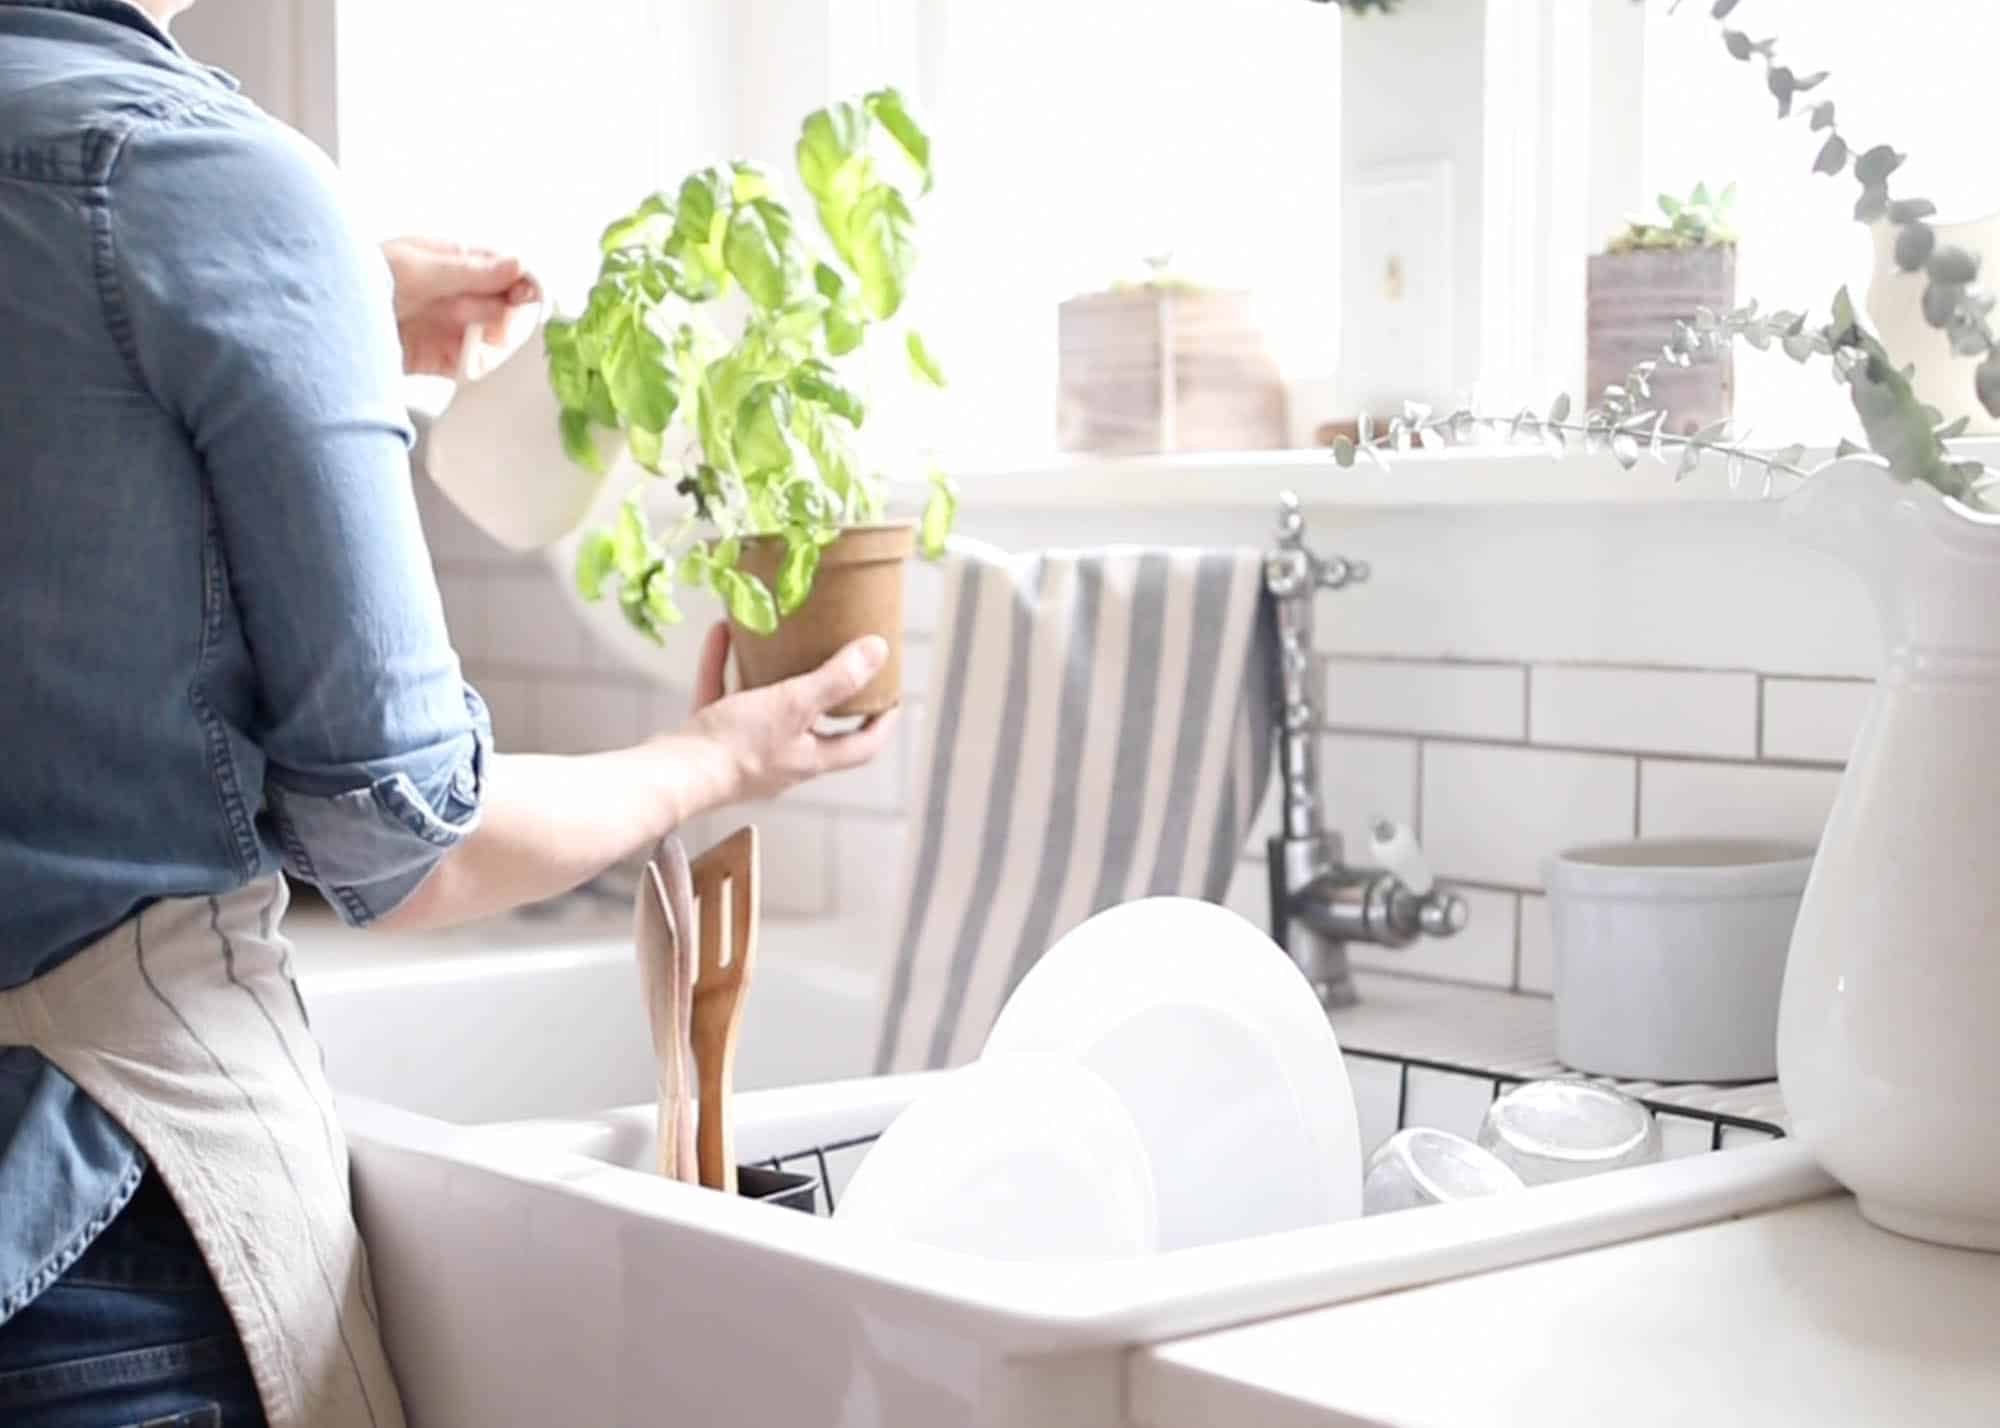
(756, 433)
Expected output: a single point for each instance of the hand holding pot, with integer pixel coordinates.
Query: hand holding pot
(758, 743)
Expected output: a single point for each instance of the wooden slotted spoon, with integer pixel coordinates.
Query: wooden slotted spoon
(725, 890)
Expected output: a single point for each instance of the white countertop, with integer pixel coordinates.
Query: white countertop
(1805, 1315)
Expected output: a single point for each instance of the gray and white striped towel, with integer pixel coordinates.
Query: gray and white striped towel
(1100, 731)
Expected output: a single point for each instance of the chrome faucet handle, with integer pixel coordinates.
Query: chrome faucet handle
(1418, 905)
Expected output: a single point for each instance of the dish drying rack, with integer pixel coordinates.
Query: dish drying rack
(1420, 1053)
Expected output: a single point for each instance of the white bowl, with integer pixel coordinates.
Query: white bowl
(1017, 1158)
(1220, 1052)
(1563, 1129)
(1670, 955)
(1421, 1166)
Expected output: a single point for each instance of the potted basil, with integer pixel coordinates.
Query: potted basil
(754, 424)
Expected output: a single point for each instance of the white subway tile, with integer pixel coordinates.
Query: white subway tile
(870, 865)
(1365, 778)
(795, 856)
(1681, 800)
(511, 702)
(1538, 945)
(875, 787)
(1483, 953)
(1492, 814)
(1480, 701)
(1645, 710)
(532, 624)
(918, 658)
(1249, 895)
(923, 592)
(467, 594)
(1813, 719)
(453, 540)
(574, 716)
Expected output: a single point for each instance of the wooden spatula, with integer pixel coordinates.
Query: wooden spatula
(725, 889)
(664, 931)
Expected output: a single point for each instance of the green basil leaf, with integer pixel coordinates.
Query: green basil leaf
(660, 597)
(647, 447)
(642, 384)
(750, 604)
(921, 361)
(808, 506)
(940, 514)
(578, 444)
(749, 181)
(598, 403)
(795, 574)
(814, 381)
(567, 377)
(797, 321)
(845, 326)
(636, 230)
(760, 253)
(881, 231)
(629, 555)
(727, 553)
(887, 106)
(594, 562)
(829, 452)
(710, 425)
(830, 141)
(699, 214)
(694, 565)
(759, 438)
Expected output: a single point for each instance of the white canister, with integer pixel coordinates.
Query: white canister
(1670, 956)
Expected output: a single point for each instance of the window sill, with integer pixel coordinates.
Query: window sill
(1460, 476)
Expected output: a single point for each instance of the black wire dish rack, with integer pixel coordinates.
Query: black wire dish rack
(1691, 1118)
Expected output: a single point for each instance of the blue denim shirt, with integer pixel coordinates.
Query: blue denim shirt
(221, 645)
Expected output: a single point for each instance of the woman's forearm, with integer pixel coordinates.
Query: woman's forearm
(549, 823)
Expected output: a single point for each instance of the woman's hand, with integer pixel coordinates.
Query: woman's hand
(444, 288)
(763, 741)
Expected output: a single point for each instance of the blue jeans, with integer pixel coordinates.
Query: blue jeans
(135, 1335)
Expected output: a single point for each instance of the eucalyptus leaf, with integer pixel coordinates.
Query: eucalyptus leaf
(1847, 449)
(1915, 243)
(1832, 156)
(1625, 447)
(1822, 115)
(1953, 264)
(1690, 458)
(1909, 210)
(1986, 382)
(1875, 166)
(1737, 43)
(1559, 410)
(1941, 301)
(1721, 9)
(1343, 451)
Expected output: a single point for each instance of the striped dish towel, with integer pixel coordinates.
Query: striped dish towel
(1099, 731)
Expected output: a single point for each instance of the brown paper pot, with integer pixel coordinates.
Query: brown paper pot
(859, 591)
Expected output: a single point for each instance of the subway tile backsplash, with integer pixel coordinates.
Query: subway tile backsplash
(1498, 761)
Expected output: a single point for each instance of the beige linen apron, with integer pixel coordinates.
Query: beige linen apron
(184, 1026)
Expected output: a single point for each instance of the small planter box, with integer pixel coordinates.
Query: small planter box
(1162, 369)
(1635, 299)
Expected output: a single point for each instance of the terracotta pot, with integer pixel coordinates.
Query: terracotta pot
(859, 591)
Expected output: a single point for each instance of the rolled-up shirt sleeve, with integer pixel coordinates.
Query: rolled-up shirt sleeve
(261, 318)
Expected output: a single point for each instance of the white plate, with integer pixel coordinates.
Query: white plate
(1221, 1053)
(1017, 1158)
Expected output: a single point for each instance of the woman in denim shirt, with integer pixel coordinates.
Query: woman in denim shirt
(222, 654)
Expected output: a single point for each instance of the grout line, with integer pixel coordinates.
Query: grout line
(1417, 800)
(1520, 913)
(1617, 666)
(1664, 756)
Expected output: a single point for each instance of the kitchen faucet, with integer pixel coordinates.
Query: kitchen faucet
(1318, 903)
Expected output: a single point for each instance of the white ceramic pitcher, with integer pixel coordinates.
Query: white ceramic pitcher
(1889, 1027)
(497, 452)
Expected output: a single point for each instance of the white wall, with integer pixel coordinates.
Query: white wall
(1413, 89)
